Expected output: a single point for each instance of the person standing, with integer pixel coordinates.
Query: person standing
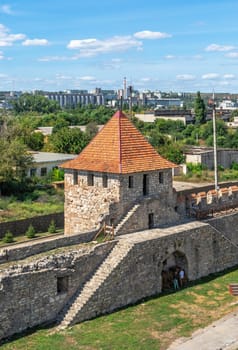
(181, 277)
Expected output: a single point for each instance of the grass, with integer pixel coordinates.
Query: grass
(23, 238)
(153, 324)
(39, 202)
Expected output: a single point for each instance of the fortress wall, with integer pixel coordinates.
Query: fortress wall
(162, 215)
(40, 223)
(139, 275)
(28, 295)
(17, 252)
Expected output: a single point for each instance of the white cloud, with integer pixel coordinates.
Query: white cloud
(92, 47)
(145, 79)
(210, 76)
(35, 42)
(185, 77)
(87, 78)
(147, 34)
(229, 76)
(7, 39)
(6, 9)
(232, 55)
(219, 48)
(169, 57)
(54, 58)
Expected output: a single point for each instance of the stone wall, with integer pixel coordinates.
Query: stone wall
(40, 223)
(196, 204)
(29, 292)
(15, 252)
(201, 248)
(86, 207)
(151, 213)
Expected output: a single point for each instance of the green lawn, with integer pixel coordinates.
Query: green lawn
(150, 325)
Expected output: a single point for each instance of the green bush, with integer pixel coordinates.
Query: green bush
(8, 238)
(234, 165)
(30, 233)
(52, 227)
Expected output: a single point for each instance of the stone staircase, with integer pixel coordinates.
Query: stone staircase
(126, 218)
(68, 315)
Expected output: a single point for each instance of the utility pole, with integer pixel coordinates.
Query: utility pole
(215, 143)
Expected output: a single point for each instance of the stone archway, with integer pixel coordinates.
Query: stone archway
(174, 261)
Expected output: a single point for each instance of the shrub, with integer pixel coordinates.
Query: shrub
(52, 227)
(30, 233)
(8, 238)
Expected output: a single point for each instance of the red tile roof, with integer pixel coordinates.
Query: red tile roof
(119, 148)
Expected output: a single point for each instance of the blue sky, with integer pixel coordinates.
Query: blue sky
(77, 44)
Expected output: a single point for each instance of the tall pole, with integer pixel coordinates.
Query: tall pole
(215, 144)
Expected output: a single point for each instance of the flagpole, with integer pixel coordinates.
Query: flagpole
(215, 144)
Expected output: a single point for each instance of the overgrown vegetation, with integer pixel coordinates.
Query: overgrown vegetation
(38, 202)
(153, 324)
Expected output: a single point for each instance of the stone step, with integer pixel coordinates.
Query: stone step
(117, 254)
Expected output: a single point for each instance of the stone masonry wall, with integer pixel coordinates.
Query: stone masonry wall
(29, 294)
(26, 289)
(40, 223)
(162, 215)
(15, 252)
(86, 206)
(139, 275)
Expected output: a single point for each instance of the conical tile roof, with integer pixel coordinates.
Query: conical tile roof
(119, 148)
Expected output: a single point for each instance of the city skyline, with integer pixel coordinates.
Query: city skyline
(173, 46)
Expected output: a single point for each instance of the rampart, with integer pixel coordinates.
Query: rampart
(40, 223)
(200, 204)
(45, 285)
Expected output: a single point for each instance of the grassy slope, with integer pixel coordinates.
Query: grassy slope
(152, 325)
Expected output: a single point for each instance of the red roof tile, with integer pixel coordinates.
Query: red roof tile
(119, 148)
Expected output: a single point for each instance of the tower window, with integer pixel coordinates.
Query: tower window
(90, 179)
(105, 181)
(75, 177)
(130, 182)
(161, 178)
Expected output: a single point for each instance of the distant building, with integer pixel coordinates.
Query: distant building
(44, 162)
(205, 156)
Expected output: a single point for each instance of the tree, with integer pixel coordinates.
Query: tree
(91, 129)
(199, 109)
(69, 140)
(15, 160)
(34, 103)
(35, 141)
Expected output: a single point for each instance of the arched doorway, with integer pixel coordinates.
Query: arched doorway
(173, 264)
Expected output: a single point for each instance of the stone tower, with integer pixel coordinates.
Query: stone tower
(120, 179)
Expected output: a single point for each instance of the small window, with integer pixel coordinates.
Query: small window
(161, 178)
(130, 182)
(105, 181)
(90, 179)
(151, 220)
(33, 172)
(75, 177)
(43, 171)
(62, 284)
